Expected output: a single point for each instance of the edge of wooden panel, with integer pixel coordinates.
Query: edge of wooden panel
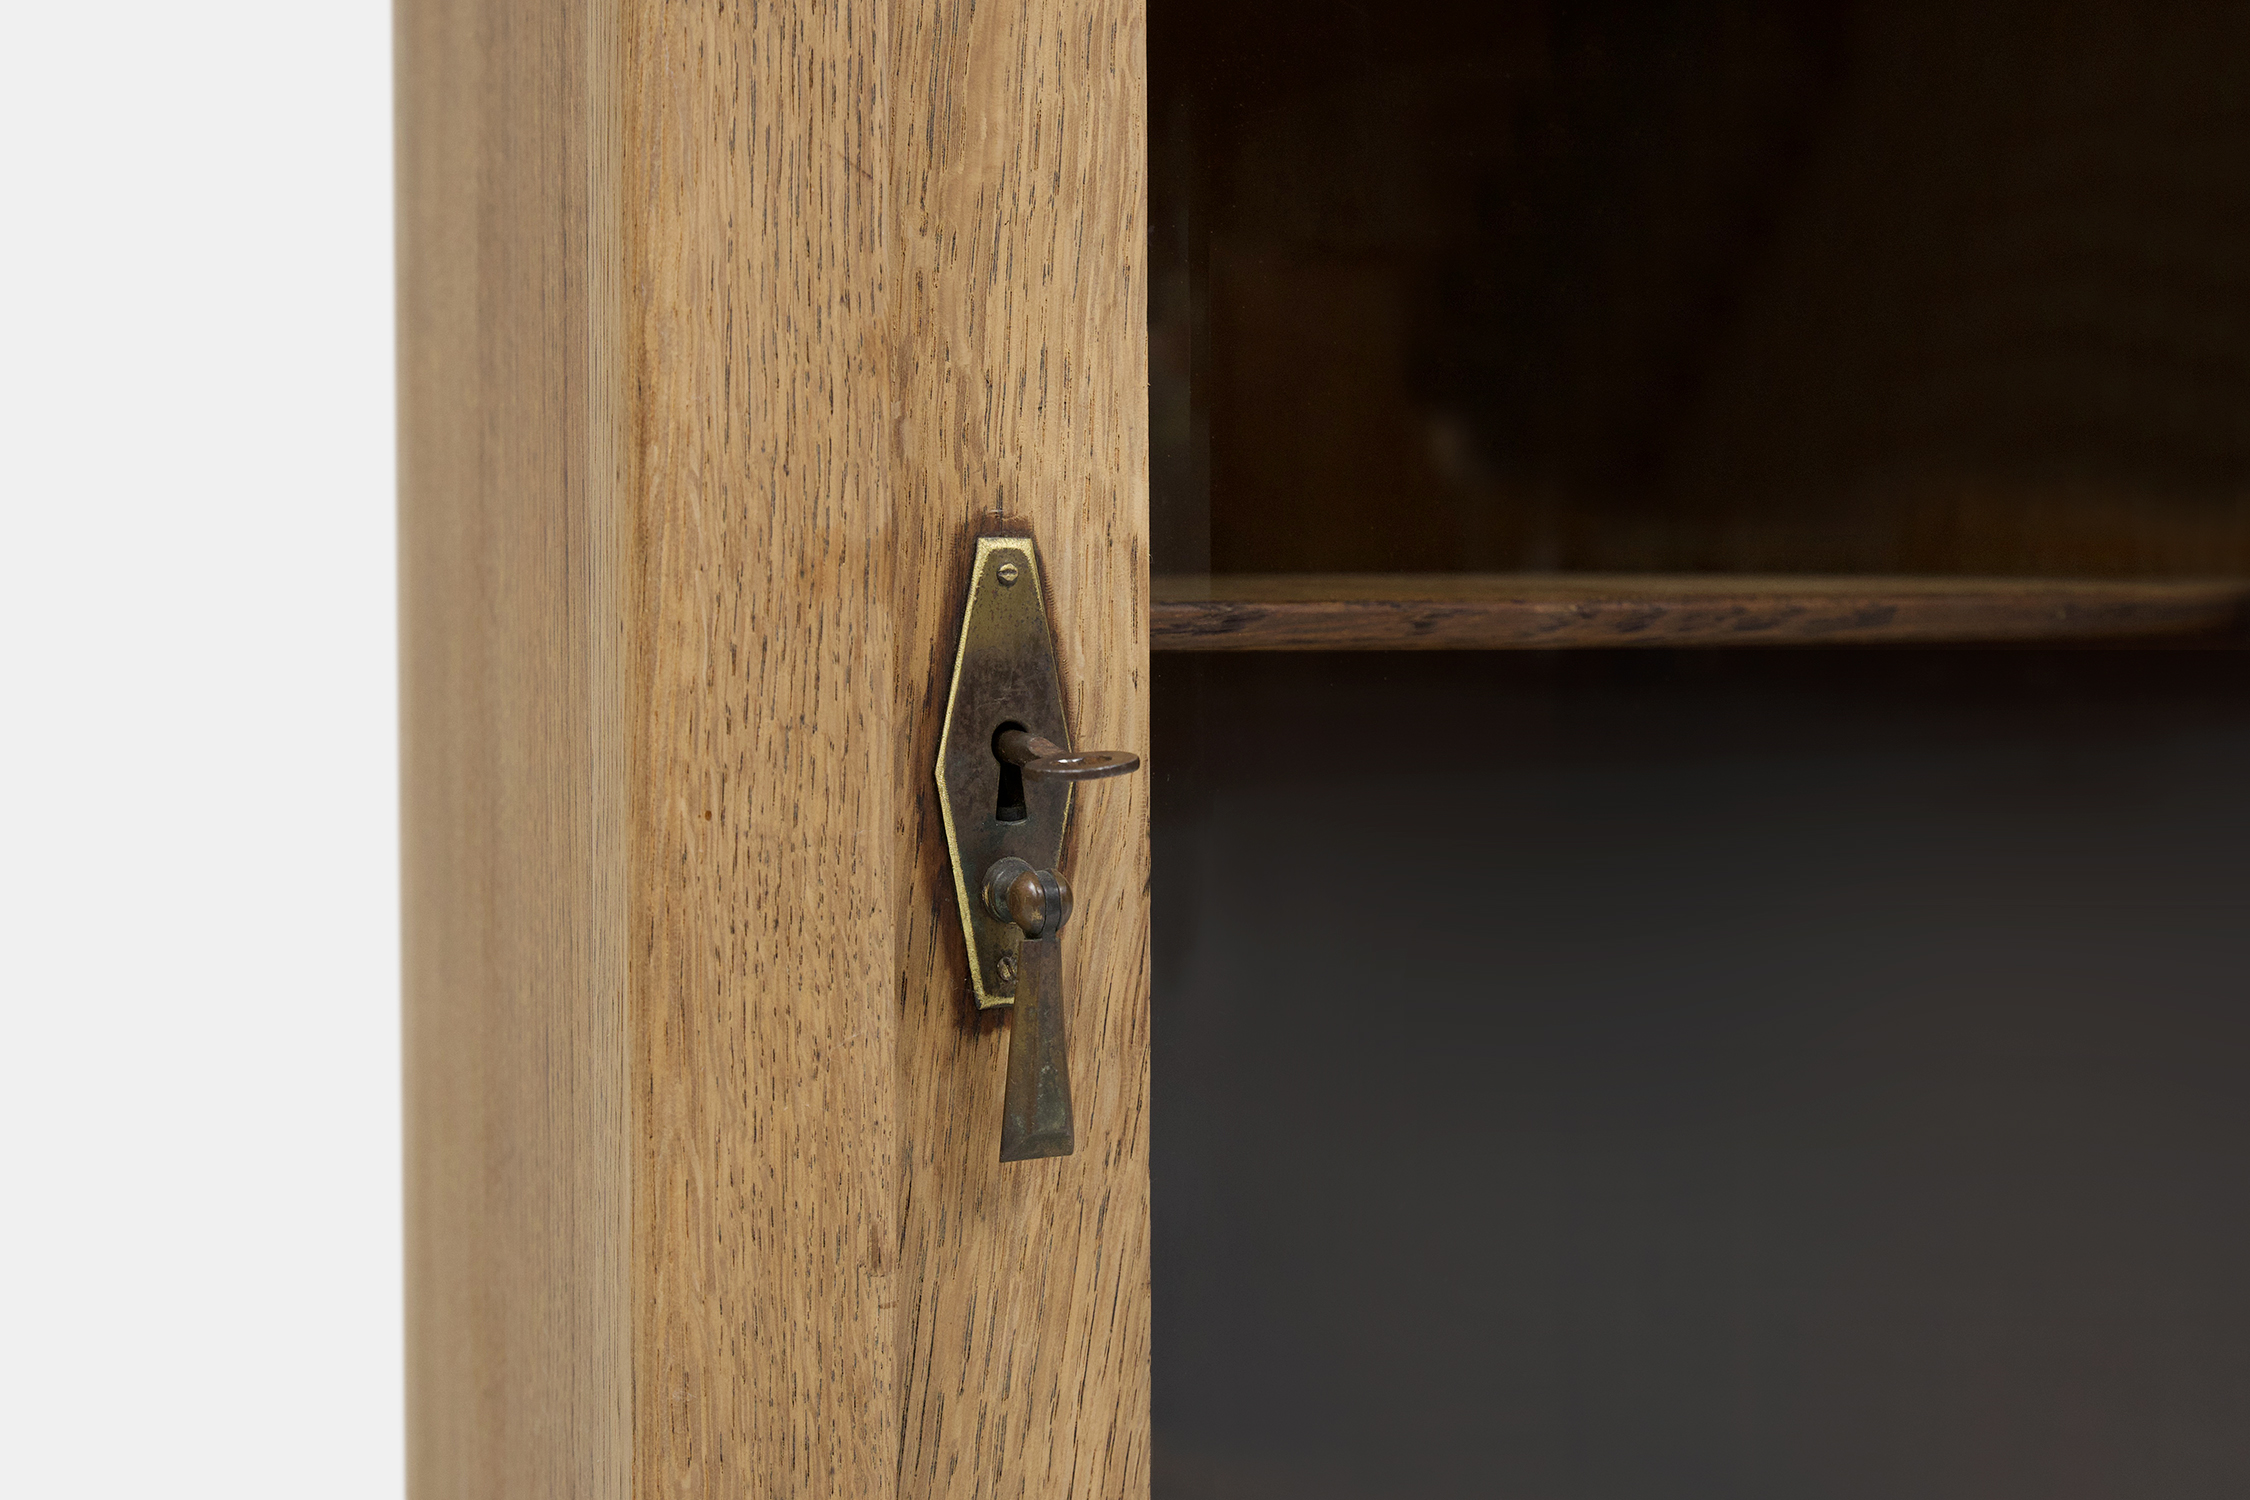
(511, 570)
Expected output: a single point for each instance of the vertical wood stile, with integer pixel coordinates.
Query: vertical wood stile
(1020, 193)
(765, 996)
(515, 1041)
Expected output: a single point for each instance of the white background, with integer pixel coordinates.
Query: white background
(199, 1212)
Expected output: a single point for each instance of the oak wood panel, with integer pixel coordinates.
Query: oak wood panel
(1438, 611)
(840, 1290)
(510, 559)
(725, 329)
(768, 770)
(1019, 134)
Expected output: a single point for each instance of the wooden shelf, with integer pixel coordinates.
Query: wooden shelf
(1516, 611)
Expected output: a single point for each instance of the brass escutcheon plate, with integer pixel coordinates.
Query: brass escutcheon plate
(1004, 675)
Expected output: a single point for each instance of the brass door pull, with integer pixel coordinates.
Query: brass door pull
(1005, 772)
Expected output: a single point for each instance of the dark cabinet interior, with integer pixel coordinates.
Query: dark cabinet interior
(1805, 1071)
(1763, 288)
(1760, 1074)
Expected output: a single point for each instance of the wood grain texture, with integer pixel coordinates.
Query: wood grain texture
(1019, 136)
(1487, 611)
(726, 329)
(769, 773)
(515, 1042)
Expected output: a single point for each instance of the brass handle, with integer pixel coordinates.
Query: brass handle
(1042, 759)
(1035, 1116)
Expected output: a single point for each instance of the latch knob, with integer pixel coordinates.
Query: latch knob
(1038, 901)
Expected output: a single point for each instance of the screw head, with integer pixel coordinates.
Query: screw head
(1007, 970)
(1008, 572)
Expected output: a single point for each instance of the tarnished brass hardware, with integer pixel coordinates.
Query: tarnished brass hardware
(1038, 901)
(1042, 759)
(1035, 1115)
(1005, 771)
(1004, 677)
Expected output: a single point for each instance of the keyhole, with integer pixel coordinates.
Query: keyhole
(1011, 808)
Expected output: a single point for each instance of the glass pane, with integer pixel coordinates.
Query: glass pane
(1614, 1074)
(1781, 287)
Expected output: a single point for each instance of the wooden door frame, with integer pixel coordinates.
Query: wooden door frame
(724, 329)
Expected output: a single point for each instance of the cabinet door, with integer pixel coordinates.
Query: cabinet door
(726, 330)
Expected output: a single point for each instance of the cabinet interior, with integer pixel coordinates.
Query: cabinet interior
(1772, 289)
(1619, 1074)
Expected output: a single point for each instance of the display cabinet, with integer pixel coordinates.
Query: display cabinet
(1671, 576)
